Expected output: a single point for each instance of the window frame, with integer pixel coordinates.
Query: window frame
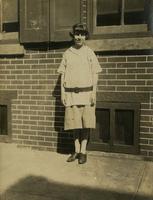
(9, 41)
(0, 16)
(6, 98)
(109, 30)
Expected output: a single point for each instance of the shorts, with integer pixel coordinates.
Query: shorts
(78, 117)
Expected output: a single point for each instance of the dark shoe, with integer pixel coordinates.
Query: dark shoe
(82, 158)
(73, 157)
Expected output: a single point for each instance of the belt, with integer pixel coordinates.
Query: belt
(77, 89)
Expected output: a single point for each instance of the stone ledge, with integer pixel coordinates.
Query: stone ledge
(137, 43)
(122, 97)
(11, 49)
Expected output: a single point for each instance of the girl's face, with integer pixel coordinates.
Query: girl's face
(79, 39)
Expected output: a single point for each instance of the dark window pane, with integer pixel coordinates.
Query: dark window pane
(134, 12)
(102, 133)
(124, 127)
(10, 16)
(3, 120)
(108, 12)
(10, 27)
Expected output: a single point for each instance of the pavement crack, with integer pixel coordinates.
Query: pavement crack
(141, 175)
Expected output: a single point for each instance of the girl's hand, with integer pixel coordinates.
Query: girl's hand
(63, 98)
(93, 99)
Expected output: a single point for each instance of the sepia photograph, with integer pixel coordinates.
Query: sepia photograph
(76, 99)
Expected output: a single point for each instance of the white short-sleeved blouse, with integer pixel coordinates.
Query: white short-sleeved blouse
(78, 67)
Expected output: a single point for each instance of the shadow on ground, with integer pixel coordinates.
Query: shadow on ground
(39, 188)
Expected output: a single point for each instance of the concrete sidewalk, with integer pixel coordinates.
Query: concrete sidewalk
(39, 175)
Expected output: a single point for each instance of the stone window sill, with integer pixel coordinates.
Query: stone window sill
(9, 44)
(134, 43)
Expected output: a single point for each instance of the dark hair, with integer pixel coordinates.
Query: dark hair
(79, 29)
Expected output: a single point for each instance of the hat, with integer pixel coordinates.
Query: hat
(79, 29)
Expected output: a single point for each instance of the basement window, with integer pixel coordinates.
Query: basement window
(117, 127)
(3, 120)
(6, 115)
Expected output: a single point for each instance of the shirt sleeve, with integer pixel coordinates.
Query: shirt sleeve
(62, 67)
(94, 62)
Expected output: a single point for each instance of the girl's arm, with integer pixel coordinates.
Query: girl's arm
(62, 90)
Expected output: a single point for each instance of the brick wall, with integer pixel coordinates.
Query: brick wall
(132, 74)
(36, 120)
(37, 113)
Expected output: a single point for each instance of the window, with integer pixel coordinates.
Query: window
(117, 127)
(120, 12)
(3, 120)
(9, 28)
(5, 115)
(118, 16)
(9, 16)
(48, 20)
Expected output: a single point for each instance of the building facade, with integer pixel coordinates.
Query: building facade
(34, 35)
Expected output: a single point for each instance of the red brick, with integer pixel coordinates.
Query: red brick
(136, 59)
(36, 138)
(4, 71)
(21, 67)
(126, 65)
(106, 88)
(145, 76)
(9, 67)
(150, 58)
(46, 61)
(116, 59)
(4, 61)
(144, 89)
(146, 135)
(28, 142)
(145, 65)
(135, 82)
(38, 56)
(23, 137)
(138, 71)
(108, 65)
(125, 88)
(45, 144)
(117, 82)
(104, 76)
(118, 71)
(124, 76)
(29, 132)
(16, 61)
(55, 55)
(30, 61)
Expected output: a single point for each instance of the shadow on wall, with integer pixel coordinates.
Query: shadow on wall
(39, 188)
(64, 138)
